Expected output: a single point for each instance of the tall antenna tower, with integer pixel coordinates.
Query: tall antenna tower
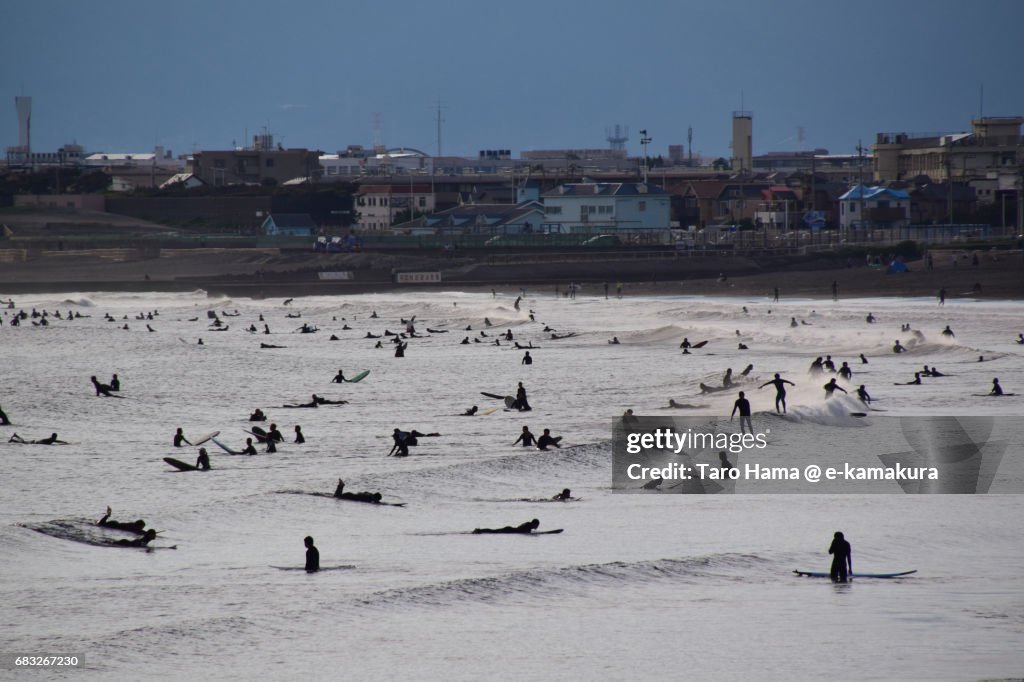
(689, 144)
(376, 118)
(439, 122)
(617, 136)
(800, 137)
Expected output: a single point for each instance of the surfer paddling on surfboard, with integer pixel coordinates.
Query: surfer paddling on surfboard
(51, 440)
(130, 526)
(524, 528)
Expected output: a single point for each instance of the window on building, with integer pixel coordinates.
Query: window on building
(553, 210)
(422, 202)
(270, 163)
(853, 207)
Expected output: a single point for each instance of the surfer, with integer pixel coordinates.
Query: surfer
(312, 555)
(249, 448)
(258, 416)
(271, 345)
(313, 402)
(828, 364)
(339, 378)
(948, 332)
(299, 438)
(898, 347)
(146, 538)
(832, 387)
(863, 394)
(942, 292)
(51, 440)
(683, 406)
(524, 528)
(792, 322)
(845, 372)
(400, 349)
(274, 434)
(863, 360)
(328, 401)
(526, 438)
(780, 390)
(816, 367)
(130, 526)
(743, 405)
(403, 439)
(470, 412)
(727, 379)
(842, 561)
(521, 403)
(685, 344)
(115, 383)
(4, 420)
(527, 359)
(563, 496)
(628, 418)
(547, 439)
(915, 382)
(614, 341)
(179, 438)
(271, 447)
(203, 460)
(1020, 339)
(996, 388)
(870, 318)
(101, 389)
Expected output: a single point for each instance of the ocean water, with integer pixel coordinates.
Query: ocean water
(655, 585)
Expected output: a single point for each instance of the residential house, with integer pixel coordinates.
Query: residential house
(874, 207)
(381, 205)
(595, 207)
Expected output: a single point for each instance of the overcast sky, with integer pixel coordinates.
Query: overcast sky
(123, 76)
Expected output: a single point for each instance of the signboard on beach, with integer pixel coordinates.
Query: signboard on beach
(338, 274)
(414, 277)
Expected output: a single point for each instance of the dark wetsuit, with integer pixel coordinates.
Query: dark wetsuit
(179, 439)
(274, 434)
(840, 551)
(249, 450)
(203, 461)
(545, 440)
(780, 391)
(312, 559)
(524, 528)
(527, 439)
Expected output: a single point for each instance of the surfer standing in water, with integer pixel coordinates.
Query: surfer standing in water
(780, 391)
(312, 555)
(179, 438)
(842, 561)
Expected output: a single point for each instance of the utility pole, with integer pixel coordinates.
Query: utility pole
(860, 179)
(644, 141)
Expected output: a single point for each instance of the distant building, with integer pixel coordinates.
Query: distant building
(606, 206)
(994, 147)
(882, 208)
(257, 165)
(289, 225)
(379, 205)
(184, 180)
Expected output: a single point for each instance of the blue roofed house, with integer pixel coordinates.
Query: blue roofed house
(593, 207)
(882, 207)
(289, 225)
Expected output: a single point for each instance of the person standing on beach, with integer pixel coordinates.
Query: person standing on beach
(942, 297)
(835, 290)
(842, 561)
(776, 298)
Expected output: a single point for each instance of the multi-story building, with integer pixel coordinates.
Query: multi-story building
(380, 205)
(257, 165)
(994, 147)
(606, 206)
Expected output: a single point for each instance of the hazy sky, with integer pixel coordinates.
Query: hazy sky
(200, 74)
